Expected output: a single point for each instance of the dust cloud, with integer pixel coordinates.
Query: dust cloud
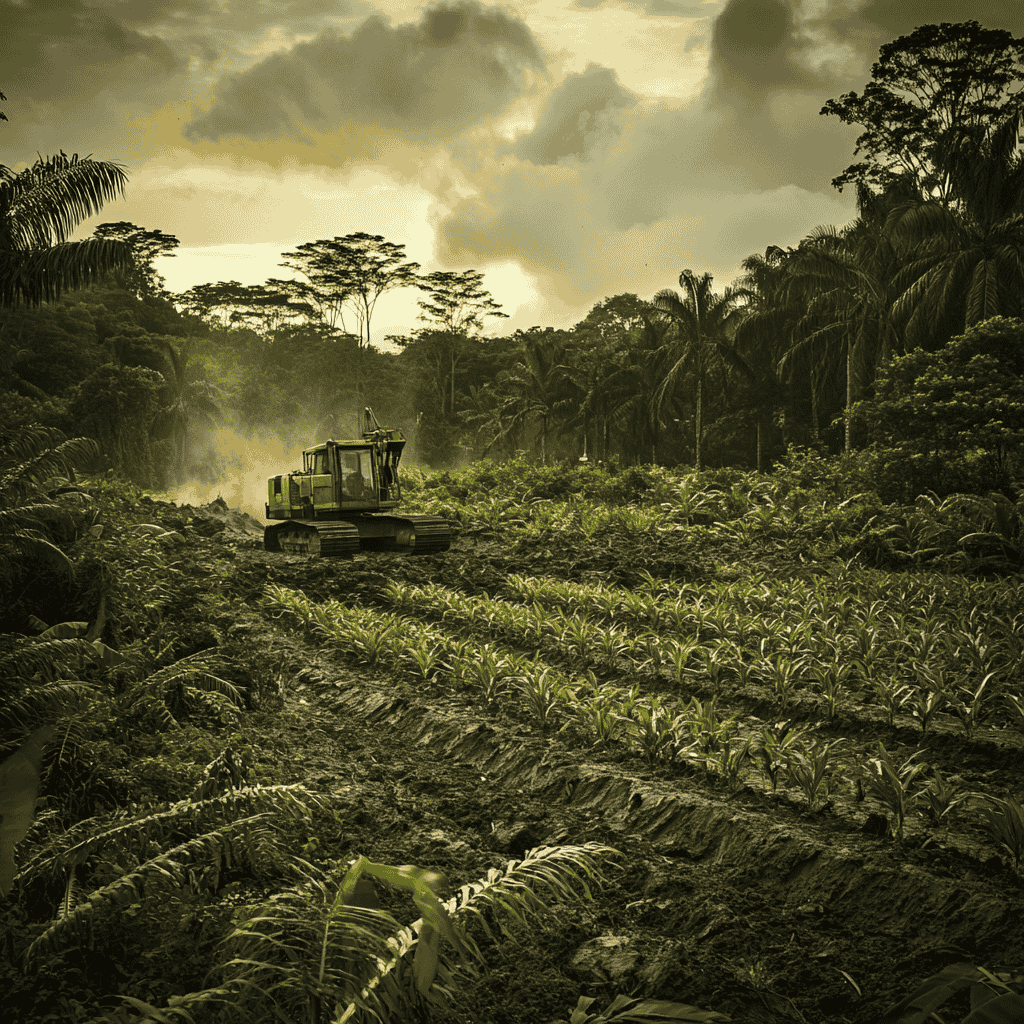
(246, 463)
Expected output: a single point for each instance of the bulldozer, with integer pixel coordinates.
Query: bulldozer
(341, 501)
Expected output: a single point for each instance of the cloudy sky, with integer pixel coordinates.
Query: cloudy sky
(570, 149)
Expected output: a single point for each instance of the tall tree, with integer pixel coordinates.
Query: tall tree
(965, 261)
(187, 402)
(927, 86)
(613, 363)
(352, 272)
(705, 323)
(143, 278)
(763, 337)
(847, 282)
(454, 310)
(534, 391)
(262, 308)
(39, 208)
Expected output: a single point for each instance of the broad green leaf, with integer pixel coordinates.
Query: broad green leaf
(1005, 1009)
(917, 1007)
(19, 784)
(424, 963)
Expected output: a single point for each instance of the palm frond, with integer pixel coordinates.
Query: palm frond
(43, 275)
(127, 839)
(235, 842)
(42, 205)
(50, 659)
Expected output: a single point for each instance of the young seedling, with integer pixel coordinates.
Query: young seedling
(833, 682)
(544, 692)
(784, 675)
(772, 747)
(891, 694)
(808, 768)
(728, 760)
(598, 718)
(939, 798)
(896, 786)
(924, 703)
(972, 706)
(1004, 821)
(656, 731)
(422, 660)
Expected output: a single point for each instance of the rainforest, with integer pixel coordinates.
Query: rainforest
(713, 710)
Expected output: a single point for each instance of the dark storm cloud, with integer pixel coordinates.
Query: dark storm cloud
(576, 118)
(64, 50)
(894, 18)
(461, 63)
(759, 47)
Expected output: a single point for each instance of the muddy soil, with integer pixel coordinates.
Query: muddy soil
(739, 902)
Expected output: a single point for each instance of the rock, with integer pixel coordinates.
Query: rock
(608, 958)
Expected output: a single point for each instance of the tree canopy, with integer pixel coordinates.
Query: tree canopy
(926, 88)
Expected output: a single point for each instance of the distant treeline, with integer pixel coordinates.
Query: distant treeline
(842, 341)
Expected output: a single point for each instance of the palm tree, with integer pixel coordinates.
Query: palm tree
(189, 402)
(705, 324)
(535, 390)
(39, 209)
(846, 282)
(967, 258)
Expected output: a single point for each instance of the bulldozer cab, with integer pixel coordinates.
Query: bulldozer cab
(355, 474)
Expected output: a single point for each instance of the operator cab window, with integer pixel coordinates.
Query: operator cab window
(356, 478)
(320, 464)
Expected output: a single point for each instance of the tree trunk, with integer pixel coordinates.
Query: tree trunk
(849, 395)
(700, 423)
(760, 460)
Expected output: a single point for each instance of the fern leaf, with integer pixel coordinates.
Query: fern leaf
(127, 839)
(165, 872)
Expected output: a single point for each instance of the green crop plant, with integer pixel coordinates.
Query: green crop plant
(648, 654)
(772, 747)
(973, 704)
(889, 691)
(716, 666)
(1015, 705)
(783, 675)
(897, 786)
(833, 683)
(488, 672)
(680, 653)
(544, 692)
(600, 719)
(1003, 819)
(422, 659)
(579, 637)
(707, 729)
(940, 798)
(655, 730)
(930, 697)
(729, 759)
(809, 767)
(610, 645)
(747, 672)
